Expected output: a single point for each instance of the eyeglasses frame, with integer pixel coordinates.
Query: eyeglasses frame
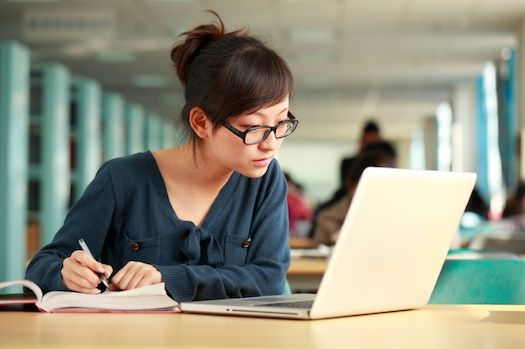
(242, 134)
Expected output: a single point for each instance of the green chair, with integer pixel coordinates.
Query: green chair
(469, 253)
(481, 281)
(287, 289)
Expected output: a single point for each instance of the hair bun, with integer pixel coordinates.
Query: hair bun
(196, 38)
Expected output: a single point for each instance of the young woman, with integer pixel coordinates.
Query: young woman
(208, 218)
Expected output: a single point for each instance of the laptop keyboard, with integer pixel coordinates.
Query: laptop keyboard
(293, 304)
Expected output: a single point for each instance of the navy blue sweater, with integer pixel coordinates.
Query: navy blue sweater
(125, 215)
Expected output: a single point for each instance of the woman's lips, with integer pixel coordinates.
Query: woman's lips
(262, 162)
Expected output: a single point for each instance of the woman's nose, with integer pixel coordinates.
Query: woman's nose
(271, 142)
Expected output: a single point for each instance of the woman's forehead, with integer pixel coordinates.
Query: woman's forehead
(271, 109)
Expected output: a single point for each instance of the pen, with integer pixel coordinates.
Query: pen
(85, 248)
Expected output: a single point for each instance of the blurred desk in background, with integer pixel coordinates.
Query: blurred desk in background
(307, 265)
(504, 235)
(305, 273)
(295, 242)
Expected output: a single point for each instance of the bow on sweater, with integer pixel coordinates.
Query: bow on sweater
(197, 240)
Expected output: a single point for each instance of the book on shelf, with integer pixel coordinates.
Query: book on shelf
(151, 298)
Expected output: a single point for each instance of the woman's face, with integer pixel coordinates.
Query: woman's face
(252, 160)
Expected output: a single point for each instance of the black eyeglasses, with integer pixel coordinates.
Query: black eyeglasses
(258, 134)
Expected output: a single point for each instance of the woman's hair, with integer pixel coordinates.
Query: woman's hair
(227, 74)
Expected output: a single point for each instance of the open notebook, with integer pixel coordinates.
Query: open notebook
(390, 251)
(150, 298)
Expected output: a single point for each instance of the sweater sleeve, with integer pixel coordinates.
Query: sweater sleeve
(267, 261)
(90, 218)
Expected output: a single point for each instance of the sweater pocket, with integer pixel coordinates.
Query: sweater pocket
(236, 249)
(145, 250)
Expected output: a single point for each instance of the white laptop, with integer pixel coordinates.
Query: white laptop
(389, 254)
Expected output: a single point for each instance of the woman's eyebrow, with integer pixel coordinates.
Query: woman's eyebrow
(262, 114)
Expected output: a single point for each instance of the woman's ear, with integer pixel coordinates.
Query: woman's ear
(200, 123)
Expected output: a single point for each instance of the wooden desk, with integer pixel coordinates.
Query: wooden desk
(295, 242)
(306, 273)
(462, 327)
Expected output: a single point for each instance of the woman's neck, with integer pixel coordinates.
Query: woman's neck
(192, 181)
(192, 166)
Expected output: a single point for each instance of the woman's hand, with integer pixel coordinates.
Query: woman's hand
(80, 272)
(135, 274)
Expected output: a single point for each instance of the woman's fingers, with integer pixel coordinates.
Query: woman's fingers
(75, 282)
(80, 272)
(86, 260)
(108, 270)
(80, 288)
(136, 274)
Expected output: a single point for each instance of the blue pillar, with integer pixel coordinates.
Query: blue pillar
(49, 118)
(134, 118)
(14, 118)
(86, 130)
(482, 144)
(508, 122)
(113, 142)
(153, 132)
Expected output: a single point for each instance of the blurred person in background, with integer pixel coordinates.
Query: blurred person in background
(370, 133)
(475, 216)
(328, 222)
(515, 203)
(299, 210)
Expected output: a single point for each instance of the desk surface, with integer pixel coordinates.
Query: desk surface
(308, 266)
(432, 327)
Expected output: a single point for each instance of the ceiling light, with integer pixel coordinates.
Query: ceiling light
(117, 56)
(85, 48)
(150, 80)
(146, 44)
(316, 58)
(312, 35)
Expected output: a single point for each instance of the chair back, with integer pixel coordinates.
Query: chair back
(481, 281)
(468, 253)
